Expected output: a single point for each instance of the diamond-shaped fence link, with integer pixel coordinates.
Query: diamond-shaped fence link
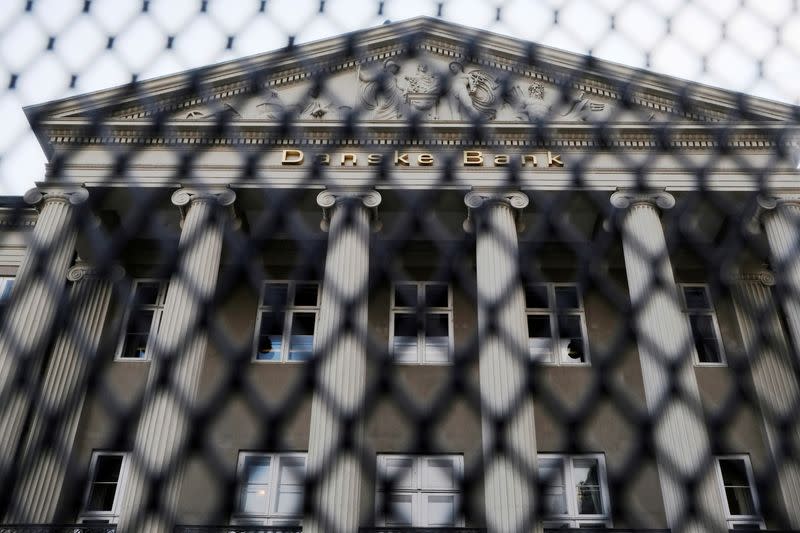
(417, 277)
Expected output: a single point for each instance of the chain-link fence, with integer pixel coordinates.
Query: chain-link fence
(419, 277)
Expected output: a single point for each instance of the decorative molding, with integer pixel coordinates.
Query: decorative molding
(479, 199)
(17, 218)
(39, 196)
(328, 199)
(625, 198)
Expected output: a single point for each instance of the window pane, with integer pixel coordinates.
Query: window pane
(404, 342)
(270, 337)
(107, 468)
(301, 344)
(305, 294)
(147, 293)
(737, 487)
(275, 295)
(551, 475)
(254, 499)
(740, 500)
(567, 298)
(400, 510)
(536, 297)
(6, 286)
(441, 510)
(290, 491)
(101, 497)
(400, 471)
(705, 338)
(256, 469)
(437, 337)
(540, 341)
(134, 346)
(696, 298)
(587, 483)
(436, 296)
(405, 296)
(571, 341)
(440, 473)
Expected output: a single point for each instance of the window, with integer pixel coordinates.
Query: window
(422, 322)
(575, 491)
(738, 492)
(425, 490)
(6, 286)
(142, 319)
(270, 489)
(287, 320)
(703, 324)
(556, 324)
(104, 493)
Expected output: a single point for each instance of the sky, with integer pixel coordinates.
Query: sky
(52, 49)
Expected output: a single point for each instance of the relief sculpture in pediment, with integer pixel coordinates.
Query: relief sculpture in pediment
(529, 103)
(381, 92)
(473, 93)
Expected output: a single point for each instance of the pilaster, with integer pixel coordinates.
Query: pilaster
(774, 380)
(32, 311)
(503, 360)
(664, 341)
(340, 345)
(179, 352)
(54, 423)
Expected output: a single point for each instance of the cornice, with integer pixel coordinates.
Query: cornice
(630, 136)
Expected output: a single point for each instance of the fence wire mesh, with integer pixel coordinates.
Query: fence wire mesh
(418, 277)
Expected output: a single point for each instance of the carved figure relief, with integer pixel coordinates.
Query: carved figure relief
(583, 107)
(422, 91)
(381, 92)
(317, 106)
(472, 93)
(271, 107)
(529, 104)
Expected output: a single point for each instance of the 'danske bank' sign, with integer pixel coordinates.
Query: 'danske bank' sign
(469, 158)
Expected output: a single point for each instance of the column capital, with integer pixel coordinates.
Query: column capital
(84, 270)
(626, 198)
(369, 198)
(480, 198)
(40, 196)
(184, 197)
(769, 203)
(763, 276)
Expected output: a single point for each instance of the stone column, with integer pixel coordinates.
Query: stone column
(503, 359)
(341, 345)
(31, 313)
(780, 216)
(51, 438)
(177, 361)
(665, 351)
(774, 381)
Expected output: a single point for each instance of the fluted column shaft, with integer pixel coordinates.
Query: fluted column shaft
(29, 319)
(340, 343)
(179, 352)
(774, 381)
(50, 440)
(509, 487)
(781, 221)
(665, 351)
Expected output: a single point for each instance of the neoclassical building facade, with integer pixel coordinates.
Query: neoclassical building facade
(419, 276)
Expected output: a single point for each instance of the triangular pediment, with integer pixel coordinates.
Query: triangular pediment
(423, 68)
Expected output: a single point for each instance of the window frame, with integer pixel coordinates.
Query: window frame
(418, 491)
(270, 518)
(552, 312)
(732, 519)
(289, 310)
(395, 310)
(104, 517)
(712, 312)
(155, 324)
(572, 518)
